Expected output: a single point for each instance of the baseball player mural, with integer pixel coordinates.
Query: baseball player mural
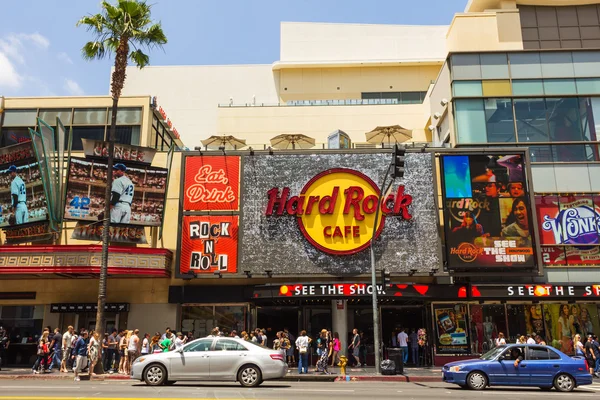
(121, 196)
(18, 194)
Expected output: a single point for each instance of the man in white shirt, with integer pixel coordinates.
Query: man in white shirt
(179, 341)
(530, 339)
(403, 344)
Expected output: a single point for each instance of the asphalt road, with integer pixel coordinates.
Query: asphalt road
(59, 390)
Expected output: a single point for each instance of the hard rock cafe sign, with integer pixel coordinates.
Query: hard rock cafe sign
(336, 209)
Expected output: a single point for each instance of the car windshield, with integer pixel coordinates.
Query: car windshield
(493, 353)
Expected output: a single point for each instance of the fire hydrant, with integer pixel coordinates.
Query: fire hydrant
(342, 364)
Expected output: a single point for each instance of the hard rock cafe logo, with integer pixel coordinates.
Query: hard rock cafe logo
(458, 207)
(336, 209)
(198, 192)
(577, 225)
(467, 252)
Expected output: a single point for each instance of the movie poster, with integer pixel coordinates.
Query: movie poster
(487, 212)
(452, 333)
(22, 197)
(141, 191)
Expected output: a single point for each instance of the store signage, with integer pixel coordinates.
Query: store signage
(553, 291)
(488, 217)
(451, 332)
(336, 209)
(87, 307)
(164, 116)
(28, 233)
(209, 244)
(211, 183)
(124, 152)
(116, 233)
(348, 290)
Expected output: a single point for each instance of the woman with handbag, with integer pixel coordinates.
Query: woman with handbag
(326, 350)
(42, 354)
(302, 343)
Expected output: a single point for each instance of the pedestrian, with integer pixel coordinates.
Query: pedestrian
(500, 340)
(71, 360)
(596, 347)
(104, 351)
(354, 346)
(590, 355)
(413, 340)
(111, 347)
(42, 354)
(530, 339)
(578, 346)
(403, 344)
(4, 342)
(56, 348)
(263, 334)
(94, 351)
(215, 332)
(80, 356)
(291, 358)
(540, 341)
(166, 343)
(323, 362)
(123, 344)
(133, 349)
(245, 336)
(337, 346)
(302, 343)
(277, 341)
(145, 344)
(166, 334)
(190, 337)
(234, 334)
(522, 340)
(179, 342)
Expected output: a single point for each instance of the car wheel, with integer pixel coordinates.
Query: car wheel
(169, 383)
(564, 383)
(249, 376)
(155, 375)
(476, 380)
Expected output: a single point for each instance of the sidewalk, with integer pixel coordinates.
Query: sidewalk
(432, 374)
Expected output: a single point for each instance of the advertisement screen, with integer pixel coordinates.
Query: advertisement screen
(452, 333)
(22, 198)
(487, 212)
(569, 229)
(138, 192)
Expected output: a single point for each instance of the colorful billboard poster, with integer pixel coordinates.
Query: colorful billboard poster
(487, 212)
(22, 197)
(452, 329)
(116, 233)
(563, 321)
(138, 192)
(569, 229)
(212, 183)
(209, 244)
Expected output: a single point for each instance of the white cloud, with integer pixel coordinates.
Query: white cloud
(73, 88)
(39, 40)
(9, 78)
(64, 57)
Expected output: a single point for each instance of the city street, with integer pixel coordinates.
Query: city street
(58, 390)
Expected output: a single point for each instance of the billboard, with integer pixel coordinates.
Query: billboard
(22, 197)
(488, 220)
(211, 183)
(141, 190)
(569, 229)
(451, 329)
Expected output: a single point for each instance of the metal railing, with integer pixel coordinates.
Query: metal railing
(345, 102)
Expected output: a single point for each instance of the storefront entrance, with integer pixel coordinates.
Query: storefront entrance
(396, 317)
(275, 319)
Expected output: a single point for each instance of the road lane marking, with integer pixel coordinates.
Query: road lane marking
(317, 390)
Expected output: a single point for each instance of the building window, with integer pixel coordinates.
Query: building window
(499, 120)
(393, 97)
(49, 115)
(531, 120)
(127, 134)
(20, 118)
(470, 121)
(127, 116)
(90, 116)
(86, 132)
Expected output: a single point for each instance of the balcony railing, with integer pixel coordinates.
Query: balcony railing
(345, 102)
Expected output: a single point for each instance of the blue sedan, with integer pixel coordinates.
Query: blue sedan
(520, 365)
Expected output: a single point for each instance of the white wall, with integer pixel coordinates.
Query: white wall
(150, 318)
(565, 178)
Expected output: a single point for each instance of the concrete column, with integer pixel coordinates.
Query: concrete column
(339, 318)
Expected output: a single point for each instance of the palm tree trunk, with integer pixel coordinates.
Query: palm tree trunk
(118, 79)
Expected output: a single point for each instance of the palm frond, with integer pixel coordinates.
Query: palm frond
(94, 51)
(139, 58)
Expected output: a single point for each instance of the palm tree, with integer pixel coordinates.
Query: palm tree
(117, 29)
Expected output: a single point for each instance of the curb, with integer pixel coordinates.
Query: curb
(387, 378)
(84, 377)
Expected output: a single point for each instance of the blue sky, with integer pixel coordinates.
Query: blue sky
(40, 45)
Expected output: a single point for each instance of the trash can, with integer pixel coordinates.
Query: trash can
(396, 354)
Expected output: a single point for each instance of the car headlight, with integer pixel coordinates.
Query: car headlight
(140, 359)
(456, 368)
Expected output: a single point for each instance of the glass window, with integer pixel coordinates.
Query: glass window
(494, 66)
(559, 86)
(496, 88)
(197, 319)
(20, 118)
(588, 85)
(525, 65)
(528, 87)
(467, 89)
(127, 116)
(466, 66)
(231, 317)
(537, 353)
(127, 134)
(569, 152)
(22, 323)
(589, 108)
(499, 120)
(564, 119)
(553, 355)
(86, 132)
(411, 98)
(200, 345)
(229, 345)
(470, 121)
(487, 321)
(557, 65)
(541, 153)
(49, 116)
(531, 120)
(586, 63)
(90, 116)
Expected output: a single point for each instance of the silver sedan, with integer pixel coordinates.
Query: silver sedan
(214, 359)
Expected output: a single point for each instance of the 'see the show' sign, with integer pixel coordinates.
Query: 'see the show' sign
(336, 209)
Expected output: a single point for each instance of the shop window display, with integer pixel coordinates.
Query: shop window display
(563, 321)
(452, 331)
(487, 321)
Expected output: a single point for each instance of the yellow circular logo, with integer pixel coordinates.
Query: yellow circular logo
(338, 213)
